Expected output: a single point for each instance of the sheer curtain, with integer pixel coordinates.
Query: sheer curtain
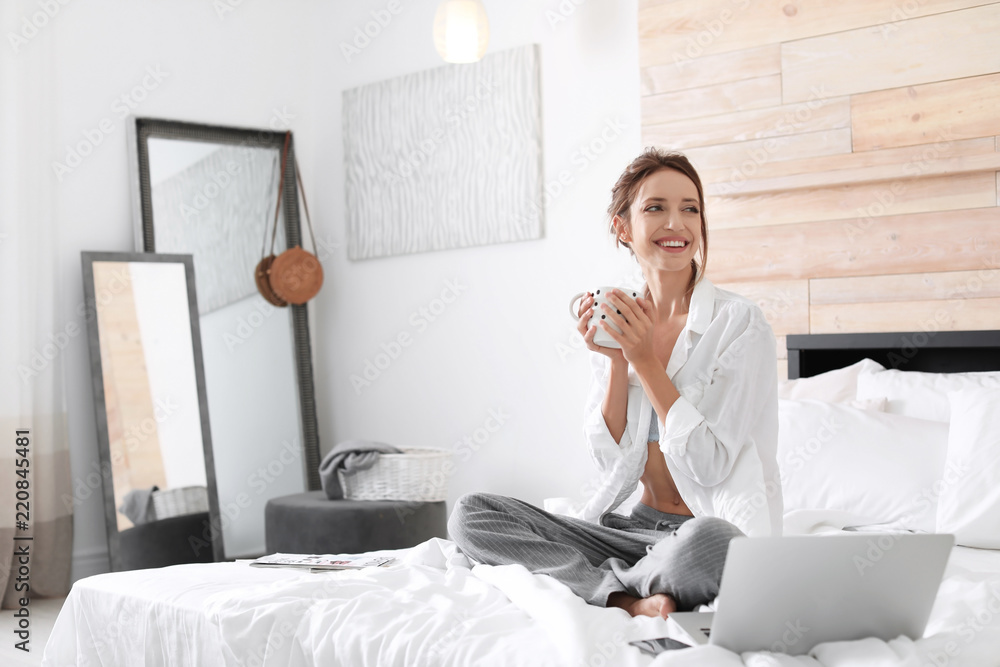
(34, 333)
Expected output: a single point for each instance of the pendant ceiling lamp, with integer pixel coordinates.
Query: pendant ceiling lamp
(461, 31)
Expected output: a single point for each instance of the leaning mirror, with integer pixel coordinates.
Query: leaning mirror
(212, 192)
(152, 419)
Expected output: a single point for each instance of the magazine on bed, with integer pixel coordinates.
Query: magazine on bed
(322, 562)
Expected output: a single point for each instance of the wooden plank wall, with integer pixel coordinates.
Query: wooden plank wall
(850, 151)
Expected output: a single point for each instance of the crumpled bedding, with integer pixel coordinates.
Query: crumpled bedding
(433, 607)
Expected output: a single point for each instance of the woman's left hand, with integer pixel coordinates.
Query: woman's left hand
(634, 318)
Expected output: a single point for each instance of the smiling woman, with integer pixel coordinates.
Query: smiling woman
(681, 422)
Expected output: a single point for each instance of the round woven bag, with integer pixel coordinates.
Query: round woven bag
(260, 276)
(296, 276)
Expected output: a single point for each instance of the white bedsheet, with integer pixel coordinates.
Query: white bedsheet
(433, 609)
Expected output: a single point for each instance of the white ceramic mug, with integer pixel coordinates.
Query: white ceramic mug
(601, 337)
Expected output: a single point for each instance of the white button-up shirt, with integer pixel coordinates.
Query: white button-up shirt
(719, 439)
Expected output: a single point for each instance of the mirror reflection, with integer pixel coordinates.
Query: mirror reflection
(150, 392)
(207, 199)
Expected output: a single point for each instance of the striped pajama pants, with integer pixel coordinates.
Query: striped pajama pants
(641, 554)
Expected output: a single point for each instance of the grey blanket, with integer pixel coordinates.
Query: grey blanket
(137, 505)
(349, 456)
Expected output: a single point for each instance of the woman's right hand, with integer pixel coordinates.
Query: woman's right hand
(585, 312)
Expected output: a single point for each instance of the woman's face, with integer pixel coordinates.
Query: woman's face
(665, 229)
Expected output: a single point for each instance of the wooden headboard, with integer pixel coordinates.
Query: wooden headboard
(928, 351)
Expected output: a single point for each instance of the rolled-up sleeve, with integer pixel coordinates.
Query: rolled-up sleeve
(604, 451)
(704, 432)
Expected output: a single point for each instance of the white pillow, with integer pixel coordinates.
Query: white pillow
(921, 395)
(969, 504)
(836, 386)
(867, 467)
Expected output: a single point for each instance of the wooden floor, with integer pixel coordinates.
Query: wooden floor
(43, 614)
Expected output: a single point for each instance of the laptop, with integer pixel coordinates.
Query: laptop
(788, 594)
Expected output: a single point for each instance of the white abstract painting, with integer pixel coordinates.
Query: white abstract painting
(446, 158)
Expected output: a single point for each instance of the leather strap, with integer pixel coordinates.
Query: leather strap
(281, 187)
(305, 205)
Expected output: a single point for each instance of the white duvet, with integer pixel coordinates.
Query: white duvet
(432, 608)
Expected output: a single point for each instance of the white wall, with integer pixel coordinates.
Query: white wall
(503, 345)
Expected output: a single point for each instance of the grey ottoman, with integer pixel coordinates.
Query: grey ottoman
(311, 523)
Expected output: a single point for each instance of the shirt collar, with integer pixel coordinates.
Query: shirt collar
(700, 312)
(702, 306)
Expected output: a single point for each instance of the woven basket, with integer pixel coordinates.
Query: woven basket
(417, 474)
(183, 500)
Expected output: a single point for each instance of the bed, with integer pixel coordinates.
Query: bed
(434, 607)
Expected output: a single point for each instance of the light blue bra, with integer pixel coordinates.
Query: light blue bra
(654, 428)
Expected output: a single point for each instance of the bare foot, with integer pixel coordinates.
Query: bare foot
(659, 604)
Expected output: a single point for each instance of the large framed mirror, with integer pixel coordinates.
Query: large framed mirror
(211, 191)
(154, 441)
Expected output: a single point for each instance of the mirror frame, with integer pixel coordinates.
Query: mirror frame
(97, 375)
(139, 131)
